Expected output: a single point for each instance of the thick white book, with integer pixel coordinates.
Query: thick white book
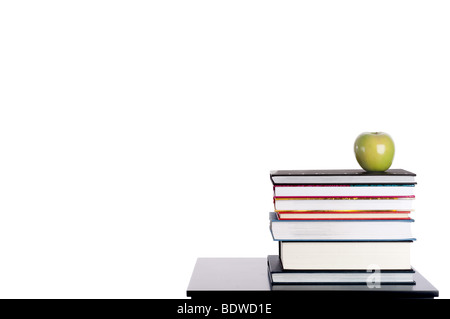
(345, 255)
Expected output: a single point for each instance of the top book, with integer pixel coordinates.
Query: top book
(341, 176)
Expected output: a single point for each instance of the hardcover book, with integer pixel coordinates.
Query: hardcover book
(341, 176)
(406, 190)
(342, 204)
(340, 230)
(355, 215)
(280, 276)
(360, 255)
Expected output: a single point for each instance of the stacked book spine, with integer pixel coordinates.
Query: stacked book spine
(338, 226)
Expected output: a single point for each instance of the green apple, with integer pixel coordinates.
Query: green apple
(374, 151)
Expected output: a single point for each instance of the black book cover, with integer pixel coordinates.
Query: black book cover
(275, 266)
(349, 176)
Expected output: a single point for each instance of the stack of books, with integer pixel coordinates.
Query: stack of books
(338, 226)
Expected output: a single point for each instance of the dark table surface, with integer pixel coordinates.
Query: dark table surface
(248, 277)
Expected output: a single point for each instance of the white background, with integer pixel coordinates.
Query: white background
(136, 136)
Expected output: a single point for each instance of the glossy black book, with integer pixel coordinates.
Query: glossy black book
(341, 176)
(278, 275)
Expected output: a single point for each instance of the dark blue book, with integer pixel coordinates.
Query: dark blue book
(340, 229)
